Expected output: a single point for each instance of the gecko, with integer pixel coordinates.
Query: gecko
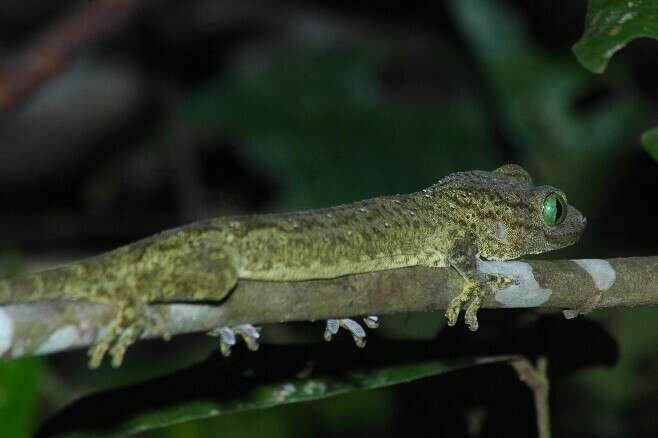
(464, 217)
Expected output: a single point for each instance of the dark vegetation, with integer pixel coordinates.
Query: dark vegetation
(165, 112)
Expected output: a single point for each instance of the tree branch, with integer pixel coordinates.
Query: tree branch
(584, 285)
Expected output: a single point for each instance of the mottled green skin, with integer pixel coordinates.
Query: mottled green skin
(451, 223)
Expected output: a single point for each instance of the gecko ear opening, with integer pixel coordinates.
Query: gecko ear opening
(516, 172)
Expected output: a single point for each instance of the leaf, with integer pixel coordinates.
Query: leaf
(283, 374)
(650, 142)
(19, 396)
(610, 25)
(276, 375)
(535, 91)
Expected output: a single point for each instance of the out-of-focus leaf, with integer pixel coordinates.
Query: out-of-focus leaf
(610, 25)
(317, 120)
(19, 395)
(283, 374)
(277, 375)
(650, 142)
(536, 97)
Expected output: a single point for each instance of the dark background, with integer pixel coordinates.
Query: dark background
(202, 108)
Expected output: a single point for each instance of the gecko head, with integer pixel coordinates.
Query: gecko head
(514, 217)
(548, 222)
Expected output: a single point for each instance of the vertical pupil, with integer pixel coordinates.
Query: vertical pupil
(552, 209)
(558, 209)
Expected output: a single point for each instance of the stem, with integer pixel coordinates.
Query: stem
(537, 380)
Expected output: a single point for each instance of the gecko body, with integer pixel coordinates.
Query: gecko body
(498, 215)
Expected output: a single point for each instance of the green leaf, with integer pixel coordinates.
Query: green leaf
(535, 91)
(276, 375)
(610, 25)
(19, 396)
(650, 142)
(283, 374)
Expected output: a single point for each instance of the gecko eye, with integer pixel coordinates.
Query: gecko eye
(554, 209)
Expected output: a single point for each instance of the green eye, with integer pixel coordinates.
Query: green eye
(554, 209)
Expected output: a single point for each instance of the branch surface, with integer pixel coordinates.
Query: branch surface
(578, 285)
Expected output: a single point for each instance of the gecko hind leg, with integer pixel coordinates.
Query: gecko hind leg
(355, 329)
(227, 337)
(130, 322)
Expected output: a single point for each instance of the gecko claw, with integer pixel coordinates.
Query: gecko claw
(227, 337)
(372, 322)
(250, 335)
(355, 329)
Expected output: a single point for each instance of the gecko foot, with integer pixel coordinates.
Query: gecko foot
(130, 322)
(474, 291)
(227, 338)
(358, 333)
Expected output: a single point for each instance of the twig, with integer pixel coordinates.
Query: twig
(537, 380)
(41, 328)
(50, 51)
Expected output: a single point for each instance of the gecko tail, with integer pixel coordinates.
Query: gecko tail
(13, 290)
(40, 286)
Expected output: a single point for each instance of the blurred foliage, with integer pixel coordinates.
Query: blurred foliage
(534, 95)
(320, 124)
(605, 396)
(19, 396)
(347, 111)
(284, 374)
(251, 382)
(609, 27)
(650, 142)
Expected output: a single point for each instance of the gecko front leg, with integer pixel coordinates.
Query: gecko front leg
(462, 256)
